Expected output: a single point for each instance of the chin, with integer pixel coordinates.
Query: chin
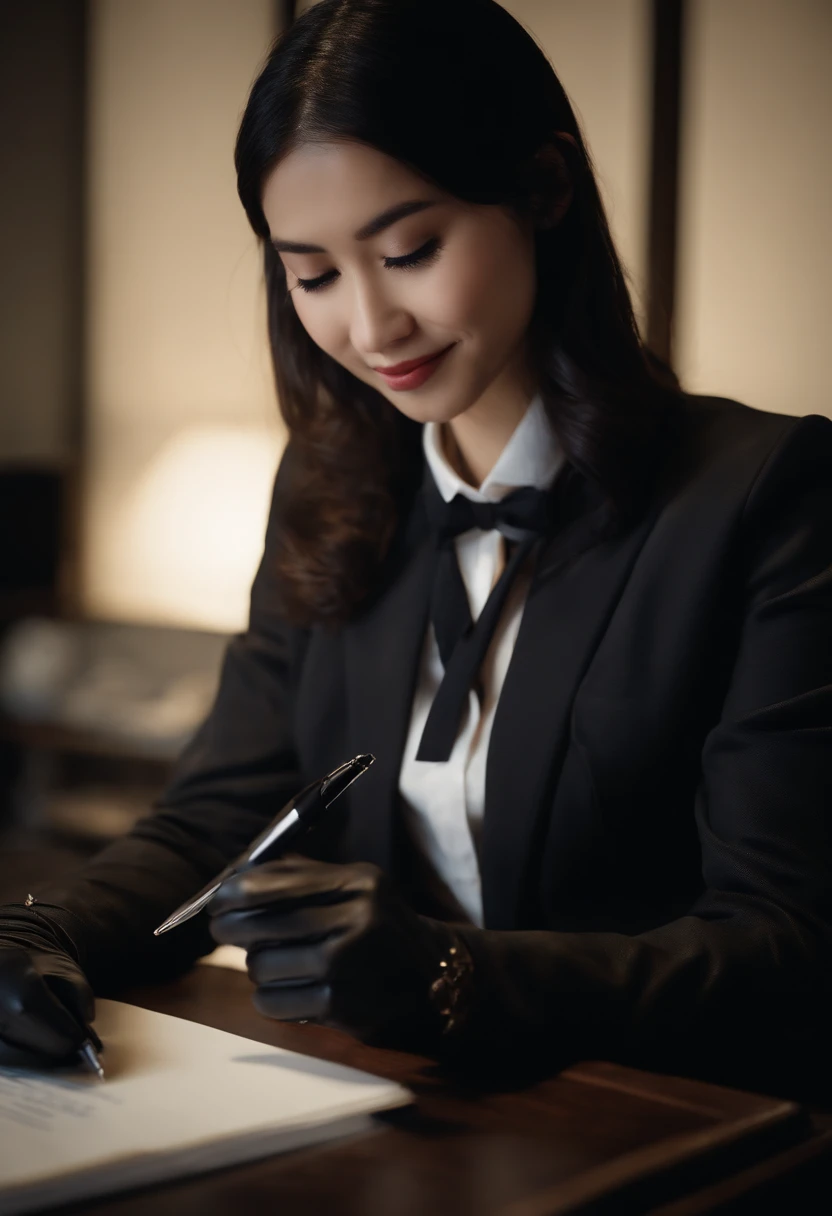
(426, 410)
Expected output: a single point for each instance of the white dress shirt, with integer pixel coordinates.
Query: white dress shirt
(443, 802)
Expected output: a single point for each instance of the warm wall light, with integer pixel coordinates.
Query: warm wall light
(190, 531)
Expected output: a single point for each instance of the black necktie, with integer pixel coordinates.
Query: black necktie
(522, 516)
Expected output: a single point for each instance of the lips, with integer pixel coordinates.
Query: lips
(401, 369)
(419, 374)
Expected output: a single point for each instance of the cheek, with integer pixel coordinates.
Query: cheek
(488, 289)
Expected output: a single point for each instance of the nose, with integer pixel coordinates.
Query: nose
(378, 322)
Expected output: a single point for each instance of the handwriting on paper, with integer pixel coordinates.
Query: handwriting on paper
(34, 1101)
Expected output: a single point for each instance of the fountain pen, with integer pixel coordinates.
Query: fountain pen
(296, 816)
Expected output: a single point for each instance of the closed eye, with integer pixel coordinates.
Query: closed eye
(423, 256)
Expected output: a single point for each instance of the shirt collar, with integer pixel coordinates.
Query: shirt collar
(532, 457)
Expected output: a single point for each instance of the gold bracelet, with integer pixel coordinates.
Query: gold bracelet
(451, 991)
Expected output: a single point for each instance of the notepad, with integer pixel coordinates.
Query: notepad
(179, 1099)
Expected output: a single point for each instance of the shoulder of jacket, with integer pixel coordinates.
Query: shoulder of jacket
(719, 436)
(725, 420)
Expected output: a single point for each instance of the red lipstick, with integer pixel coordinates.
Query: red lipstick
(413, 373)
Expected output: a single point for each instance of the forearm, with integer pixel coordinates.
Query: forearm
(110, 907)
(693, 994)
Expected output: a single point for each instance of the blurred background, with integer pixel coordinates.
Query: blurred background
(139, 432)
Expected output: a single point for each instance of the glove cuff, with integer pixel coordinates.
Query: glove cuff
(28, 926)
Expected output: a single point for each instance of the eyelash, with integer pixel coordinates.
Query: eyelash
(427, 253)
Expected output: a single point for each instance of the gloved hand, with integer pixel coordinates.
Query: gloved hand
(338, 944)
(45, 1000)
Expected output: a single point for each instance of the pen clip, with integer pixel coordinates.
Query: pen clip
(330, 779)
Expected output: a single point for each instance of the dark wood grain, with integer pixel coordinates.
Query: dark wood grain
(597, 1137)
(797, 1180)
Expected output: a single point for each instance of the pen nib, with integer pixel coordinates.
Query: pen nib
(90, 1057)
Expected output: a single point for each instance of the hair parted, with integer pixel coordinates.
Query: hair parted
(459, 92)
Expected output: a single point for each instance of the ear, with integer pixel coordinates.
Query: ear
(551, 198)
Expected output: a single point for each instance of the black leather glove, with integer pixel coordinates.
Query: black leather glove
(45, 1000)
(338, 944)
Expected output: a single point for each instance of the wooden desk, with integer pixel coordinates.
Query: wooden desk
(596, 1138)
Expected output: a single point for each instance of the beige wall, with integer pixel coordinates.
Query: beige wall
(753, 311)
(176, 326)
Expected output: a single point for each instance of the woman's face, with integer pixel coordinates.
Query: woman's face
(470, 286)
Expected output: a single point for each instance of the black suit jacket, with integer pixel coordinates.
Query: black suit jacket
(656, 847)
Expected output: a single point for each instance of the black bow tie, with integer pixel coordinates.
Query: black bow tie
(521, 513)
(522, 516)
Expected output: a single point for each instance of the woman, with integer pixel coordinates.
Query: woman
(608, 837)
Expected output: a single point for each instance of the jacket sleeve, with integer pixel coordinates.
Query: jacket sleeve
(743, 981)
(230, 780)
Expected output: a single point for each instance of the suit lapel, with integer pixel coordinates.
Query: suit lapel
(574, 590)
(382, 648)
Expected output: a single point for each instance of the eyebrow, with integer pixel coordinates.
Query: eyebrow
(387, 218)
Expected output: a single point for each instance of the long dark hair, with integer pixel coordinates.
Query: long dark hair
(458, 91)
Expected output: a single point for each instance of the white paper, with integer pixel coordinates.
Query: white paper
(178, 1098)
(232, 957)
